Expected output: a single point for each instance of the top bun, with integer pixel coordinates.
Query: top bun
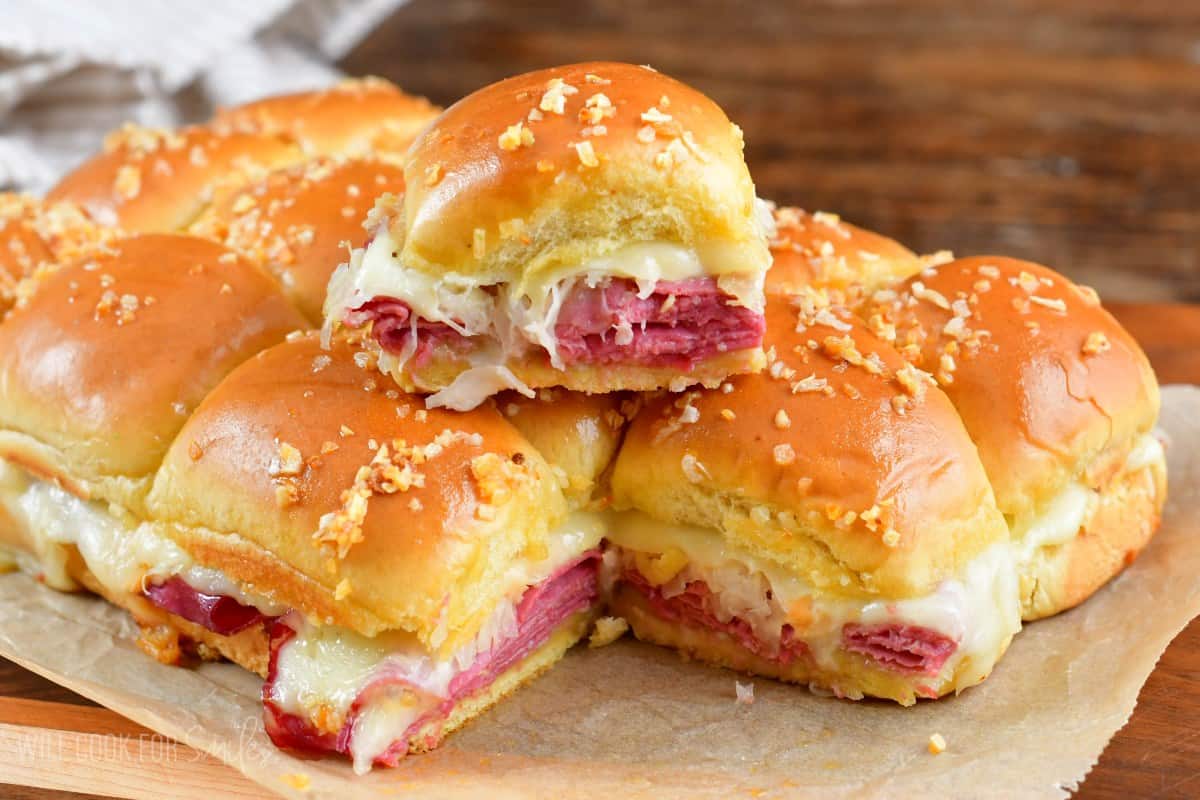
(821, 251)
(303, 474)
(357, 117)
(102, 364)
(1046, 381)
(549, 169)
(37, 236)
(158, 181)
(300, 222)
(839, 462)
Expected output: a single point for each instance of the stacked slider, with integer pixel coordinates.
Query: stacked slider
(592, 227)
(811, 489)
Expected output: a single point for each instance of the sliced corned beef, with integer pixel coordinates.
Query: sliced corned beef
(541, 610)
(218, 613)
(903, 648)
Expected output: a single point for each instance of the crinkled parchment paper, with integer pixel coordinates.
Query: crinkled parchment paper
(631, 720)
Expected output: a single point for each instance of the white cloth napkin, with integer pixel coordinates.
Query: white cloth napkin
(71, 71)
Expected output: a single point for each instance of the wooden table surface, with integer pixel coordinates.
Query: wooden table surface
(1157, 755)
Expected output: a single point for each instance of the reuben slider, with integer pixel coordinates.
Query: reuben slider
(418, 565)
(825, 522)
(592, 227)
(1060, 401)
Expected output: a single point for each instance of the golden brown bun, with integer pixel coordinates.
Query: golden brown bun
(577, 433)
(1127, 512)
(851, 476)
(681, 180)
(1046, 381)
(38, 236)
(357, 117)
(854, 675)
(821, 251)
(287, 438)
(300, 222)
(102, 365)
(158, 181)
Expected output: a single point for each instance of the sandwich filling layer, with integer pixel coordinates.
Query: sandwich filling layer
(692, 576)
(653, 304)
(330, 689)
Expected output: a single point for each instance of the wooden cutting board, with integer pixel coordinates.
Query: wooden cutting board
(53, 741)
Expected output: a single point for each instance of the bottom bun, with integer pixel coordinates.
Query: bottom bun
(458, 387)
(1124, 517)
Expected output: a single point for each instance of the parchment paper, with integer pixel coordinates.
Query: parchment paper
(631, 720)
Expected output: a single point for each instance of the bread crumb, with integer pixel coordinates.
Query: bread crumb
(745, 693)
(607, 630)
(693, 470)
(298, 781)
(343, 589)
(515, 136)
(1096, 344)
(587, 154)
(433, 174)
(937, 744)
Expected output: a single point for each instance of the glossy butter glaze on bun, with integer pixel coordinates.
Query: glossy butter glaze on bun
(823, 251)
(1060, 401)
(150, 180)
(826, 521)
(36, 237)
(300, 222)
(102, 364)
(359, 117)
(591, 226)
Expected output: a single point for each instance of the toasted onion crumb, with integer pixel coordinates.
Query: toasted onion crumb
(607, 630)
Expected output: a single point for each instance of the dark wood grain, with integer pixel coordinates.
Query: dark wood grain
(1064, 131)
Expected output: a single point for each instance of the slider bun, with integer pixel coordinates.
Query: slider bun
(158, 181)
(357, 117)
(820, 250)
(1041, 404)
(104, 362)
(36, 236)
(577, 433)
(277, 446)
(298, 222)
(1127, 512)
(788, 474)
(539, 206)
